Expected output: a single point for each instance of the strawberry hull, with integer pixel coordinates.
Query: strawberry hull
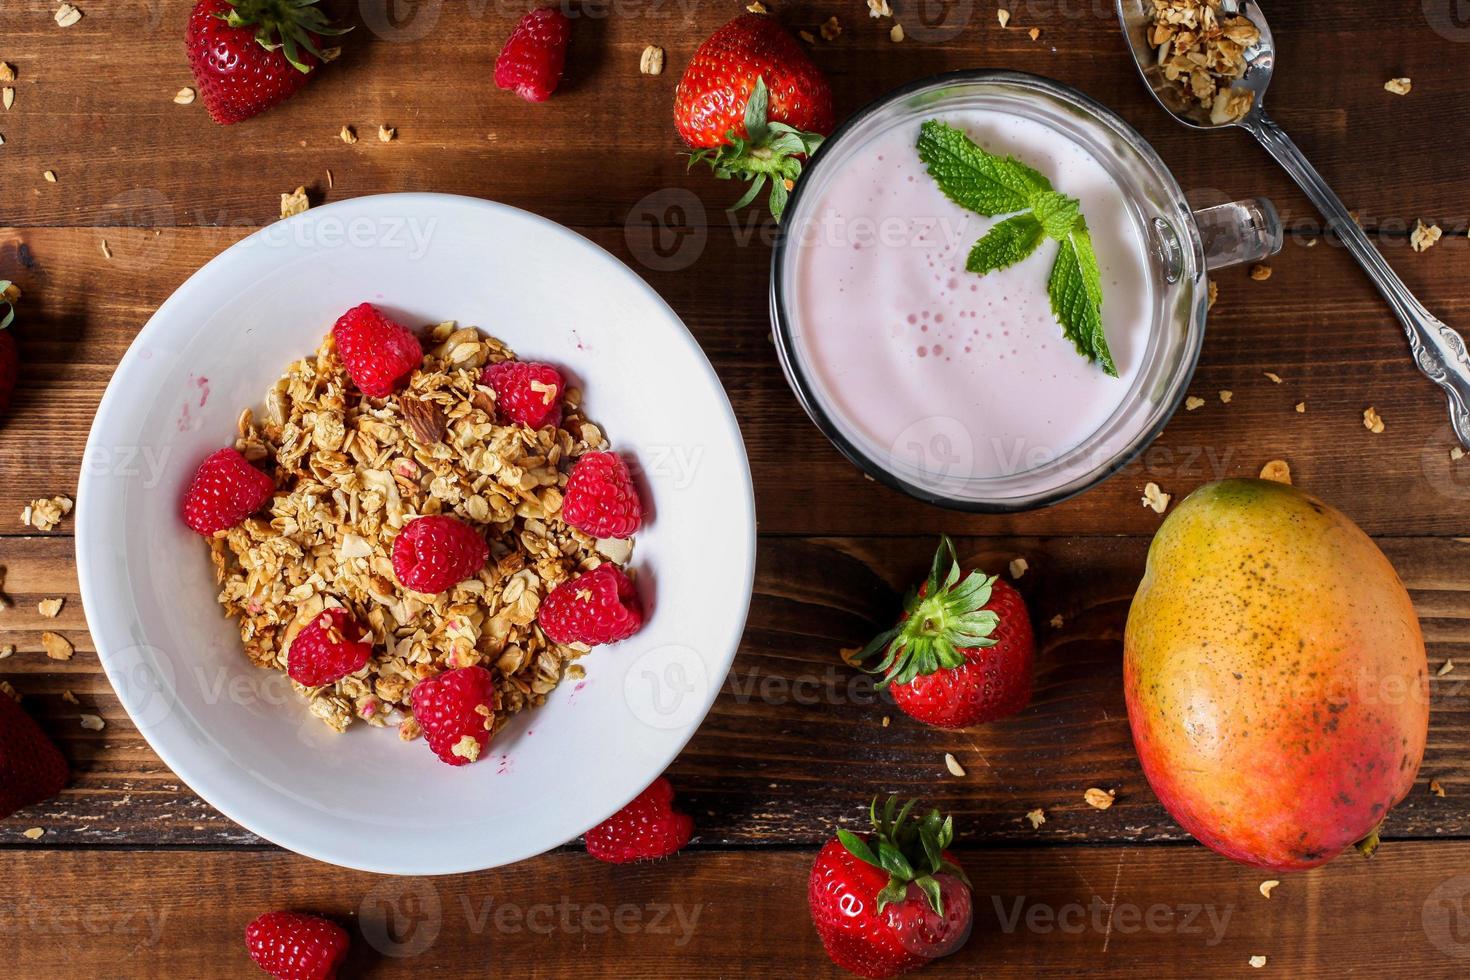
(1275, 676)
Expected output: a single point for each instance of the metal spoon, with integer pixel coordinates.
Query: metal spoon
(1438, 350)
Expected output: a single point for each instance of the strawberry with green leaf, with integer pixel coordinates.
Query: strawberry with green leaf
(993, 185)
(962, 653)
(248, 55)
(753, 107)
(890, 901)
(9, 353)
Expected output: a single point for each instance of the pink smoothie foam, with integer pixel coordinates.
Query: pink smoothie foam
(941, 367)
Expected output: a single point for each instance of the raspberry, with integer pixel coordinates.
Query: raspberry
(600, 606)
(434, 554)
(525, 392)
(455, 709)
(32, 768)
(377, 352)
(532, 60)
(296, 946)
(225, 490)
(327, 649)
(647, 828)
(600, 498)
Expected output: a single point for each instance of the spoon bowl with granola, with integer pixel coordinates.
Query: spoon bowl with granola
(417, 534)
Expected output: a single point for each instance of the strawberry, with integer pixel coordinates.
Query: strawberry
(225, 490)
(753, 106)
(535, 54)
(526, 393)
(377, 352)
(455, 709)
(248, 55)
(600, 606)
(32, 768)
(327, 649)
(434, 554)
(600, 498)
(9, 353)
(296, 946)
(961, 655)
(645, 829)
(891, 901)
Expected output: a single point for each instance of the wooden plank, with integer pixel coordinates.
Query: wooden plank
(1317, 323)
(1104, 912)
(795, 740)
(100, 113)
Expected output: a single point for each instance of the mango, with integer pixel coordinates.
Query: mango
(1275, 673)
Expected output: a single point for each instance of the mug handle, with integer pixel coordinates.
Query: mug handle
(1239, 232)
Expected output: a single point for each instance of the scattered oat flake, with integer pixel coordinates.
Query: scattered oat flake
(348, 135)
(651, 61)
(1277, 470)
(1193, 402)
(1301, 408)
(50, 608)
(57, 647)
(50, 176)
(35, 833)
(1424, 236)
(1267, 885)
(1214, 294)
(896, 34)
(831, 28)
(386, 134)
(1399, 86)
(1226, 394)
(69, 697)
(1274, 377)
(8, 650)
(106, 249)
(1100, 798)
(1436, 788)
(1257, 962)
(756, 8)
(468, 747)
(294, 203)
(7, 97)
(93, 723)
(1034, 33)
(879, 8)
(953, 765)
(44, 513)
(329, 179)
(67, 15)
(1457, 453)
(7, 72)
(1037, 817)
(1445, 668)
(887, 721)
(1372, 421)
(1057, 621)
(1260, 272)
(184, 96)
(1155, 499)
(1018, 567)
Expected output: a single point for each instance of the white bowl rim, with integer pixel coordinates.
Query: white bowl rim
(102, 618)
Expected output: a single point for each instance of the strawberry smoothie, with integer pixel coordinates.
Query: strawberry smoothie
(945, 369)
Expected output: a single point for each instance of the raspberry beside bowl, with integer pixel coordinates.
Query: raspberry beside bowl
(238, 735)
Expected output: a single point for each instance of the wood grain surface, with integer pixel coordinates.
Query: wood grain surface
(136, 876)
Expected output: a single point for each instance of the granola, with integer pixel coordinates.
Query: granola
(351, 472)
(1201, 54)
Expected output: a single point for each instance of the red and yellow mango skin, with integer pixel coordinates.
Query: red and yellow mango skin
(1275, 673)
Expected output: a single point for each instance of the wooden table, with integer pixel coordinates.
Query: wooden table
(136, 876)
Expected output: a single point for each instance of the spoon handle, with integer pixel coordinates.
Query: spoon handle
(1438, 350)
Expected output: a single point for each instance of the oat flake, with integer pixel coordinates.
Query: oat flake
(953, 765)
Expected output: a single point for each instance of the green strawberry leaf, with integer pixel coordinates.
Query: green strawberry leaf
(1075, 289)
(975, 180)
(1009, 242)
(858, 848)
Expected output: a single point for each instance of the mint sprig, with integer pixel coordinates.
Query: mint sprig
(993, 185)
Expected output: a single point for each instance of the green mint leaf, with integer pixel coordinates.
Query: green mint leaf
(1006, 244)
(974, 179)
(1075, 289)
(1056, 212)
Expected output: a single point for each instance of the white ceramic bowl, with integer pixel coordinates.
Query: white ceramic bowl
(238, 735)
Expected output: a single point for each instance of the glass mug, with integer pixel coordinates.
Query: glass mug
(1181, 246)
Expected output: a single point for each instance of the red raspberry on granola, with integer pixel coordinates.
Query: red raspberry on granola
(225, 490)
(327, 649)
(600, 498)
(600, 606)
(455, 709)
(434, 554)
(526, 393)
(377, 352)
